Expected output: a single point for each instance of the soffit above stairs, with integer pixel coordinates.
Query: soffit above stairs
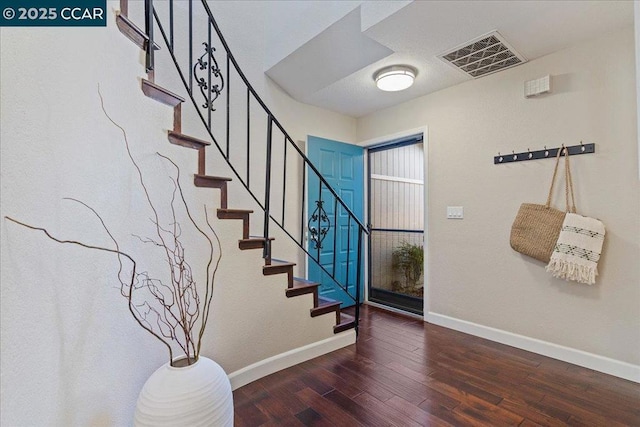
(334, 68)
(337, 52)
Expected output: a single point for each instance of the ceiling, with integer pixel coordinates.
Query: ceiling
(330, 50)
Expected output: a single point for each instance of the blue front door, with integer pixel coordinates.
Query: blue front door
(333, 237)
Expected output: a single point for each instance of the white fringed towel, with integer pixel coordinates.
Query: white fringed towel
(577, 252)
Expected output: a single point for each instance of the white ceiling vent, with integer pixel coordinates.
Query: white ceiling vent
(485, 55)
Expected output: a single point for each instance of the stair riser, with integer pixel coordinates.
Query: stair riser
(177, 119)
(202, 168)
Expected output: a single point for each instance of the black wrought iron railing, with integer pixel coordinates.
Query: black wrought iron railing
(232, 111)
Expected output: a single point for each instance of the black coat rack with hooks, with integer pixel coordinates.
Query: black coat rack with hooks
(545, 153)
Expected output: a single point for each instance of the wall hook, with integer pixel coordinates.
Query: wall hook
(545, 154)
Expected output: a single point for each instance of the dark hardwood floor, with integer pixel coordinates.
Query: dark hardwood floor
(404, 372)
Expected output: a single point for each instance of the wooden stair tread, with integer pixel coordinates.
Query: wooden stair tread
(301, 287)
(160, 94)
(258, 239)
(213, 178)
(281, 261)
(236, 211)
(133, 32)
(253, 242)
(235, 214)
(324, 301)
(325, 305)
(187, 140)
(243, 214)
(278, 267)
(346, 322)
(300, 281)
(209, 181)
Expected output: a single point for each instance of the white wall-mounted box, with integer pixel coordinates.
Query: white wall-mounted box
(537, 86)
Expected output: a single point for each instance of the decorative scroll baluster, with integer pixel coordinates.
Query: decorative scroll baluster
(320, 219)
(210, 91)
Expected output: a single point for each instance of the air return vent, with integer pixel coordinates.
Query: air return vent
(485, 55)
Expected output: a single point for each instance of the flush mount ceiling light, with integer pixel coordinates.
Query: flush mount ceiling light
(395, 78)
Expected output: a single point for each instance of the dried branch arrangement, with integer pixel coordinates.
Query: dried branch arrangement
(170, 309)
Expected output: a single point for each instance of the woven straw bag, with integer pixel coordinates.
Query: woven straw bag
(536, 228)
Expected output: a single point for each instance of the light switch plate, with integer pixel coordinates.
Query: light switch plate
(455, 212)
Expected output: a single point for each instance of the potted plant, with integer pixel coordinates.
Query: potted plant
(408, 259)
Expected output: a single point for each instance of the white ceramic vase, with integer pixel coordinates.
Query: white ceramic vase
(195, 395)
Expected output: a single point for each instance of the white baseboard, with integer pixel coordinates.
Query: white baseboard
(609, 366)
(290, 358)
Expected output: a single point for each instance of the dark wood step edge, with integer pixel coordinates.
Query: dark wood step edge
(233, 213)
(279, 268)
(160, 94)
(133, 32)
(326, 306)
(253, 243)
(303, 287)
(345, 322)
(207, 181)
(242, 214)
(188, 141)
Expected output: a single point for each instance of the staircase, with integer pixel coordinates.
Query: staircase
(295, 286)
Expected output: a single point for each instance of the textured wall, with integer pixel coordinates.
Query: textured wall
(71, 353)
(473, 274)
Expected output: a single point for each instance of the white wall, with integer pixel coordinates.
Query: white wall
(474, 275)
(71, 353)
(636, 21)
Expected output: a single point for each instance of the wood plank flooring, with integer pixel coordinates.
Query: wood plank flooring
(404, 372)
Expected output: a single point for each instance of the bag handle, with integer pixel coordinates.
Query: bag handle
(569, 186)
(568, 179)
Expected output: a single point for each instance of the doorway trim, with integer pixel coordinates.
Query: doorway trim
(383, 140)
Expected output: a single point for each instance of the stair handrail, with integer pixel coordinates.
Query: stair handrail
(268, 111)
(151, 13)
